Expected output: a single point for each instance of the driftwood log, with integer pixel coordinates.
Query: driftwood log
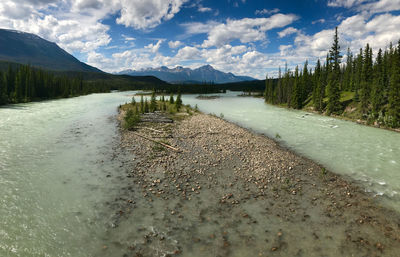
(155, 118)
(157, 142)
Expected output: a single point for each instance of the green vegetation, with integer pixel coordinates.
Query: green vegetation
(358, 89)
(132, 118)
(24, 84)
(134, 110)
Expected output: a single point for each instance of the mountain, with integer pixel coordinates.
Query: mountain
(26, 48)
(186, 75)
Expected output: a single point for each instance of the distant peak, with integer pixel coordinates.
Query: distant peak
(206, 67)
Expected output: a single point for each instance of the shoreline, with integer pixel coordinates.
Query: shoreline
(259, 182)
(339, 117)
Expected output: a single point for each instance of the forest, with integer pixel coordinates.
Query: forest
(362, 87)
(23, 83)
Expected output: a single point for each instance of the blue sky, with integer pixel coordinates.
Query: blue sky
(246, 37)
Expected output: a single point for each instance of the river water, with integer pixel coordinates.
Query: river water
(59, 171)
(54, 160)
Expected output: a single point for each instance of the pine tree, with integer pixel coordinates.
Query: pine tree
(146, 106)
(394, 92)
(3, 89)
(171, 99)
(142, 110)
(178, 102)
(306, 84)
(333, 105)
(348, 71)
(317, 99)
(297, 102)
(153, 102)
(378, 86)
(366, 80)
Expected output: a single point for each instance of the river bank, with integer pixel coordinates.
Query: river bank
(347, 116)
(230, 192)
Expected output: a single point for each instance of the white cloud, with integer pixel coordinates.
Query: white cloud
(368, 6)
(318, 21)
(345, 3)
(192, 28)
(154, 47)
(381, 6)
(141, 14)
(128, 38)
(76, 25)
(266, 11)
(174, 44)
(204, 9)
(287, 31)
(188, 53)
(246, 30)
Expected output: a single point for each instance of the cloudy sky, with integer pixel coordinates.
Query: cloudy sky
(246, 37)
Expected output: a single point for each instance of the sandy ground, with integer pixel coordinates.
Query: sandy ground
(230, 192)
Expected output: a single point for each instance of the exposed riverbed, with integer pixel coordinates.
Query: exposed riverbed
(229, 192)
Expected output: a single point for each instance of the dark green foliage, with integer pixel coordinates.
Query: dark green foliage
(373, 87)
(333, 88)
(297, 99)
(171, 99)
(131, 119)
(146, 106)
(394, 94)
(24, 83)
(141, 104)
(153, 102)
(178, 102)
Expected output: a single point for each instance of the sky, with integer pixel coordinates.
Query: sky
(245, 37)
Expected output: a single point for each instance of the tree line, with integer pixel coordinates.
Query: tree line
(24, 83)
(370, 86)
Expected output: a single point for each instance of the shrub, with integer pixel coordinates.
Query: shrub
(131, 119)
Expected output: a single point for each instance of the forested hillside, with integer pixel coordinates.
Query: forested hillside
(24, 83)
(363, 87)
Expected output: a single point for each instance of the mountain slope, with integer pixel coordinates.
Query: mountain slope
(26, 48)
(186, 75)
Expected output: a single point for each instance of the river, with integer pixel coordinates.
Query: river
(59, 170)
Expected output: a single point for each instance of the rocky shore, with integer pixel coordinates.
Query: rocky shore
(221, 190)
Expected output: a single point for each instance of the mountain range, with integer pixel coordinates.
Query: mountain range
(204, 74)
(26, 48)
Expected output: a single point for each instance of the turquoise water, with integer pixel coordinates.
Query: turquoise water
(54, 159)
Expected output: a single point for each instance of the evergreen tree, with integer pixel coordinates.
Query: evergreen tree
(142, 110)
(146, 106)
(296, 102)
(3, 89)
(153, 102)
(317, 92)
(171, 99)
(348, 71)
(366, 80)
(378, 86)
(178, 102)
(394, 93)
(333, 105)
